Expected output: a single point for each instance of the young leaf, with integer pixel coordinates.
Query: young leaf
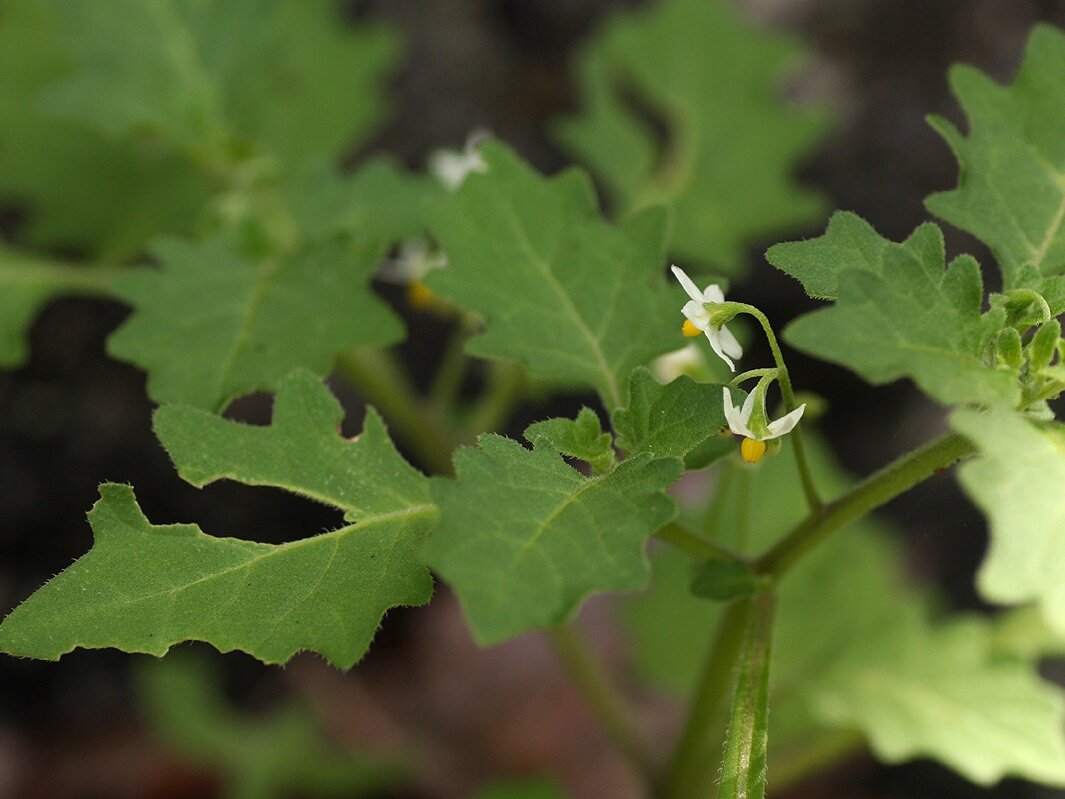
(261, 756)
(1011, 191)
(855, 648)
(673, 420)
(732, 142)
(299, 86)
(28, 283)
(581, 438)
(214, 324)
(575, 298)
(1017, 482)
(898, 313)
(300, 452)
(743, 768)
(523, 538)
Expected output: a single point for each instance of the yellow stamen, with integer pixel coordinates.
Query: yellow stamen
(419, 296)
(689, 329)
(752, 450)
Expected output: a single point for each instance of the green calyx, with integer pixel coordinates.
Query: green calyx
(721, 313)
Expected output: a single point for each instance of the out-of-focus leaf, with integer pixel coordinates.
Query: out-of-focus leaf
(274, 755)
(732, 143)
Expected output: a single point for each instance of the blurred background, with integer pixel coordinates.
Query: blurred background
(95, 726)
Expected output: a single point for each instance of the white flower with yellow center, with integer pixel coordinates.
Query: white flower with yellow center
(752, 422)
(697, 318)
(451, 167)
(410, 266)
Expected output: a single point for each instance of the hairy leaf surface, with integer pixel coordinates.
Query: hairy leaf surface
(731, 141)
(675, 419)
(1011, 191)
(145, 587)
(580, 438)
(899, 312)
(523, 538)
(575, 298)
(214, 323)
(1017, 481)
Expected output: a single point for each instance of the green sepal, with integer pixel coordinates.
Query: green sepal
(1044, 345)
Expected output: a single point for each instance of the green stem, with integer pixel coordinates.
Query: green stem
(448, 378)
(868, 495)
(696, 545)
(813, 498)
(376, 376)
(19, 268)
(691, 771)
(506, 384)
(589, 675)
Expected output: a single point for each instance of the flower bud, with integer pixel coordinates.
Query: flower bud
(1008, 347)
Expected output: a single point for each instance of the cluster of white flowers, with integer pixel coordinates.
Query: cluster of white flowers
(749, 420)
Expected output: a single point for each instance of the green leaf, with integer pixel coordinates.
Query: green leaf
(674, 420)
(300, 84)
(268, 755)
(299, 451)
(523, 538)
(943, 693)
(27, 284)
(576, 299)
(1011, 191)
(713, 81)
(145, 587)
(849, 243)
(580, 438)
(898, 312)
(743, 768)
(855, 647)
(1017, 482)
(80, 191)
(213, 323)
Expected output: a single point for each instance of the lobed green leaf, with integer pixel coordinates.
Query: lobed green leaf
(899, 312)
(1011, 190)
(580, 438)
(576, 299)
(524, 538)
(215, 323)
(1016, 480)
(732, 143)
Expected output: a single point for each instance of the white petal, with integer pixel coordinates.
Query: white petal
(686, 282)
(729, 343)
(734, 416)
(785, 424)
(713, 335)
(748, 406)
(696, 314)
(713, 293)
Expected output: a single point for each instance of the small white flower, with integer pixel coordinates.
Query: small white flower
(413, 262)
(721, 339)
(688, 360)
(452, 166)
(739, 419)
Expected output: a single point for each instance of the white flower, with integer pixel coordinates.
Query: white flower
(739, 419)
(413, 262)
(688, 360)
(452, 166)
(721, 339)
